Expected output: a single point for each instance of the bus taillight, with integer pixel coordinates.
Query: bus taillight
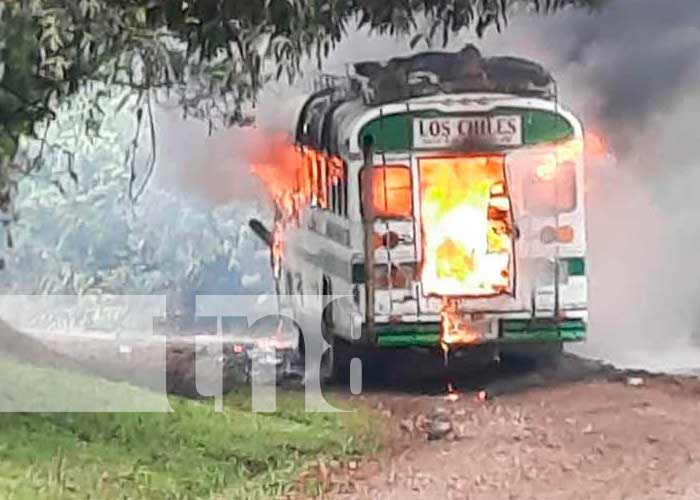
(564, 234)
(551, 187)
(387, 240)
(386, 192)
(394, 276)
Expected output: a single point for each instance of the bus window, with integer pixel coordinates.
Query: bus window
(552, 188)
(344, 194)
(311, 177)
(389, 187)
(322, 166)
(338, 183)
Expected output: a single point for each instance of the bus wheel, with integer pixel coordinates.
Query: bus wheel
(327, 369)
(335, 362)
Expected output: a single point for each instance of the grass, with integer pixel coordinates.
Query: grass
(190, 453)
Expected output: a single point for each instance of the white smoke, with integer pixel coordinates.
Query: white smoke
(632, 72)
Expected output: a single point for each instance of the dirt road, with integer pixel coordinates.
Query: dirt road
(596, 438)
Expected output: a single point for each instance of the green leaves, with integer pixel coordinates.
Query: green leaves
(8, 145)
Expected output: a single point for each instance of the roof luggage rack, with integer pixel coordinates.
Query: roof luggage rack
(431, 73)
(342, 88)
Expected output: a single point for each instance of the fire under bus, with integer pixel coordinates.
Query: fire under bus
(442, 193)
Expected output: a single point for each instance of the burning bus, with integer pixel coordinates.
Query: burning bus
(443, 193)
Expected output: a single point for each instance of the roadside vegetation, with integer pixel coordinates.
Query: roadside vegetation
(192, 452)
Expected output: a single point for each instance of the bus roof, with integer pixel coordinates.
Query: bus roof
(373, 84)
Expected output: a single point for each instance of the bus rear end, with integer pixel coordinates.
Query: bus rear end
(475, 232)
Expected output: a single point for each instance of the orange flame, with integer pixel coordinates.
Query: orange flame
(452, 395)
(467, 236)
(277, 248)
(294, 177)
(595, 146)
(467, 228)
(277, 164)
(454, 329)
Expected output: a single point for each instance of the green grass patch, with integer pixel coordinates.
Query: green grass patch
(190, 453)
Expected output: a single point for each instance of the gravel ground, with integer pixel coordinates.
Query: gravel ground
(585, 431)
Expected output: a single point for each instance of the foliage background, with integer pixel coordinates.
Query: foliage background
(78, 231)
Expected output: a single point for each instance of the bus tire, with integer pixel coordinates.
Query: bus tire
(329, 361)
(335, 362)
(328, 365)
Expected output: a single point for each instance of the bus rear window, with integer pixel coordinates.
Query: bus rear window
(551, 189)
(387, 191)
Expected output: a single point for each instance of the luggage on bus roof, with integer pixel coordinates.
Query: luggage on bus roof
(431, 73)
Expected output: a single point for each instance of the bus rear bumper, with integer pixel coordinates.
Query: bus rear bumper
(520, 331)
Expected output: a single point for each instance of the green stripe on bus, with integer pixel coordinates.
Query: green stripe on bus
(395, 132)
(576, 266)
(409, 340)
(543, 330)
(520, 325)
(512, 331)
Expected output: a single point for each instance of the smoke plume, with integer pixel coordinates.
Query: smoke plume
(632, 73)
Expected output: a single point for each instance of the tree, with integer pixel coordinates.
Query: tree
(213, 53)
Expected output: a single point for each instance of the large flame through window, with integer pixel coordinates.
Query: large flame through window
(467, 227)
